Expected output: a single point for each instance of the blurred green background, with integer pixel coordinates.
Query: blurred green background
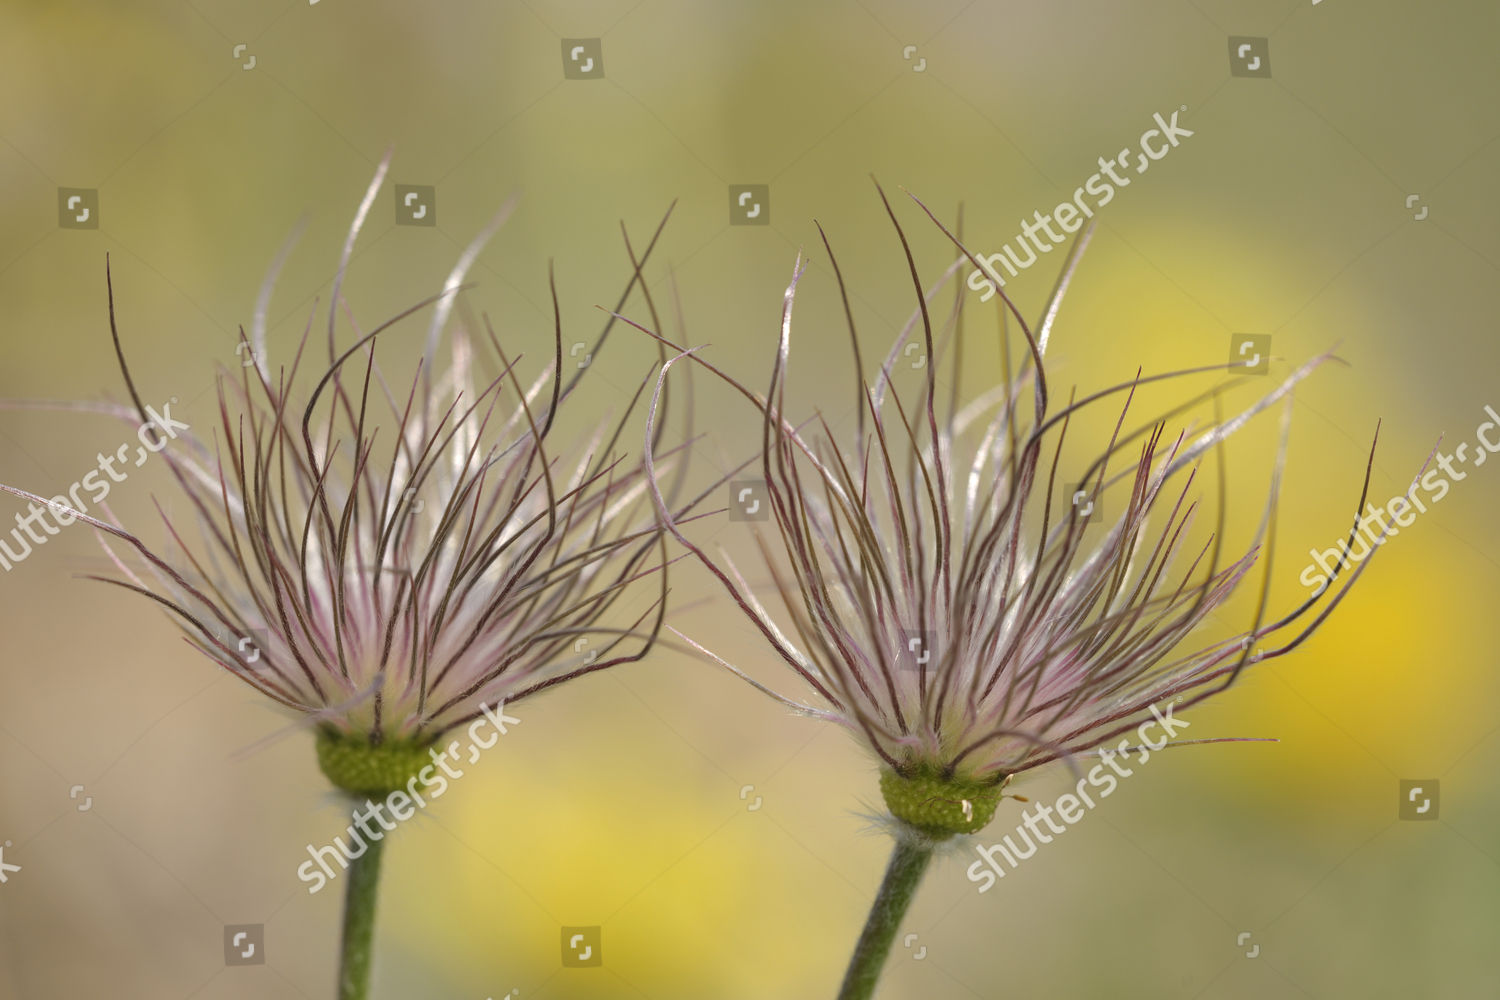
(1347, 199)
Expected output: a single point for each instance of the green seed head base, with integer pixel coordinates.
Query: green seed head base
(353, 765)
(937, 806)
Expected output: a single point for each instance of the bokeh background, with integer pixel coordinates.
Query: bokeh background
(1347, 199)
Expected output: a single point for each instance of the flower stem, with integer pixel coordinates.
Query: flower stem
(359, 922)
(902, 876)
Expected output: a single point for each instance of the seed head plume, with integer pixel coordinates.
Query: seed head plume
(940, 593)
(385, 558)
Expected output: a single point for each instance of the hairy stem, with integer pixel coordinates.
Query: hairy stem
(902, 876)
(359, 922)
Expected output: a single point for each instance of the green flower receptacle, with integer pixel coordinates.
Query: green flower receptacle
(937, 806)
(370, 771)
